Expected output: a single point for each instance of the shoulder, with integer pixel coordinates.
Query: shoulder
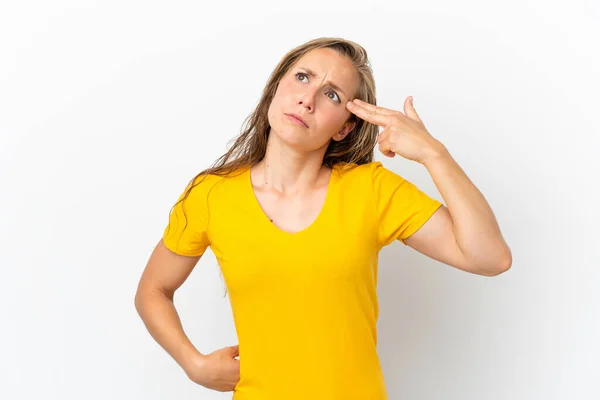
(201, 188)
(372, 171)
(207, 182)
(352, 169)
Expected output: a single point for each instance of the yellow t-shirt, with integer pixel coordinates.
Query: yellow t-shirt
(304, 304)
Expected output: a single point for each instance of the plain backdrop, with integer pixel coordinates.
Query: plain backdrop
(108, 109)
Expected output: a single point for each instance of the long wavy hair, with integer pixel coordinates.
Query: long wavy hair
(250, 146)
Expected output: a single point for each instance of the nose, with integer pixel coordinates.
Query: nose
(307, 99)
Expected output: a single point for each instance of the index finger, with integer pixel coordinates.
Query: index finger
(377, 109)
(370, 115)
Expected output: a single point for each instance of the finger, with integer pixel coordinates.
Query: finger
(368, 115)
(385, 148)
(383, 135)
(374, 108)
(235, 350)
(380, 110)
(409, 109)
(389, 154)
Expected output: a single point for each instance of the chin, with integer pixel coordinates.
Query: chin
(295, 139)
(290, 137)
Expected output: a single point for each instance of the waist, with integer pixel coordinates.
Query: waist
(306, 372)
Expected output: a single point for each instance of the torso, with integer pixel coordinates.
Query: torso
(303, 289)
(305, 283)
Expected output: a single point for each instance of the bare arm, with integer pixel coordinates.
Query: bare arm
(465, 234)
(165, 272)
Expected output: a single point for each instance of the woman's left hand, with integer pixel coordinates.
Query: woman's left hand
(403, 134)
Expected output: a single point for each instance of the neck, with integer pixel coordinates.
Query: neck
(288, 171)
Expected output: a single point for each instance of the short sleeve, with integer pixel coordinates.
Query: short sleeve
(401, 207)
(186, 231)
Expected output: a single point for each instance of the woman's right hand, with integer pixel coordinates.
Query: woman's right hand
(219, 370)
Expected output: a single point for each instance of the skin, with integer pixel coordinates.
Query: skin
(464, 234)
(164, 273)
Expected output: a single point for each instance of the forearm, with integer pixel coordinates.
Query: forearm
(475, 227)
(163, 323)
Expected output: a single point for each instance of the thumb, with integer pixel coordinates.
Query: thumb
(409, 109)
(235, 350)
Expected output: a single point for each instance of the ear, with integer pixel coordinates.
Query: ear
(346, 129)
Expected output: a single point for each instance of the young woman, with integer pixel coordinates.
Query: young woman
(296, 213)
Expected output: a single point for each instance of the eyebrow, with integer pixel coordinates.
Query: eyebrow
(333, 85)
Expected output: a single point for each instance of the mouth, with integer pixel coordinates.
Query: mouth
(295, 118)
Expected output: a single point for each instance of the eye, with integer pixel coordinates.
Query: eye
(306, 76)
(336, 95)
(300, 73)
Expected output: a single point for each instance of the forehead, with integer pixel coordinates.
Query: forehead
(332, 66)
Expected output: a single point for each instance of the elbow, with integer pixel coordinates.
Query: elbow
(500, 265)
(145, 297)
(496, 270)
(138, 302)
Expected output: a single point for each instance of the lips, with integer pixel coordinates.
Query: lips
(297, 117)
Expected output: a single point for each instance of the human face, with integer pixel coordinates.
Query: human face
(316, 88)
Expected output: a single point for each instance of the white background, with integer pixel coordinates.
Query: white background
(107, 109)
